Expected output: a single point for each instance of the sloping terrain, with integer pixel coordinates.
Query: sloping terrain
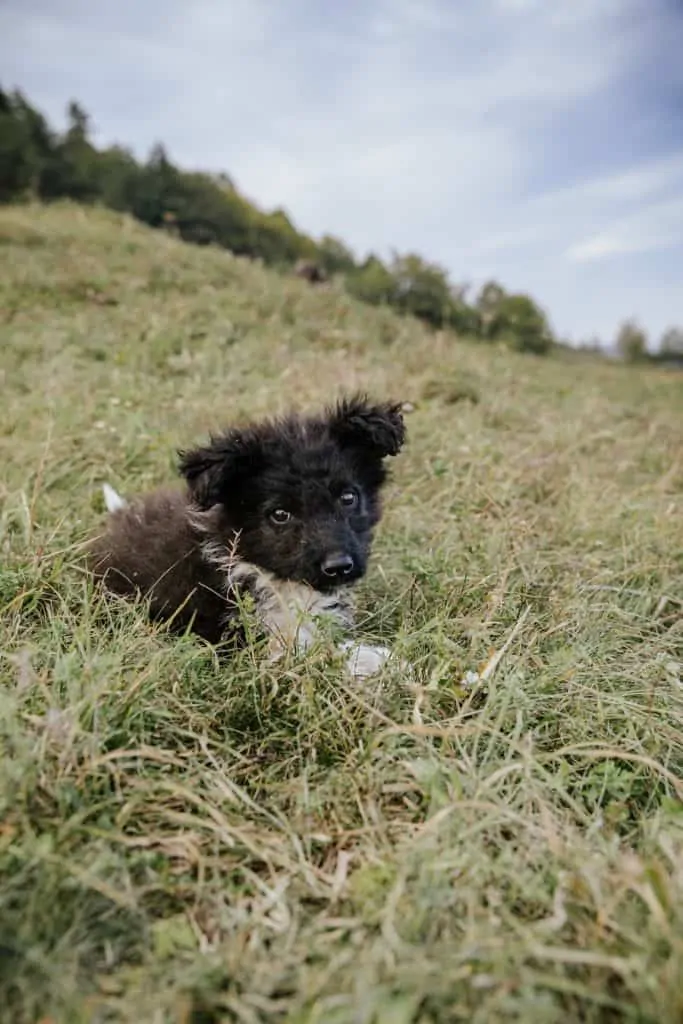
(184, 842)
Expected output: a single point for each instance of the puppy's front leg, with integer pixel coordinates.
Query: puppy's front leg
(289, 614)
(301, 640)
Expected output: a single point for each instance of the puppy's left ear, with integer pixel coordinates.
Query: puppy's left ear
(377, 429)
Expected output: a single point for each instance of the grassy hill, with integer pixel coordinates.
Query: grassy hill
(183, 842)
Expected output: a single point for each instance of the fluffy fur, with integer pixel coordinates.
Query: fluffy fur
(283, 510)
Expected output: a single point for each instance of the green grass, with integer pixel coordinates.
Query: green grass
(188, 842)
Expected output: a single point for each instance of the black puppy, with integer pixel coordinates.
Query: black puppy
(283, 510)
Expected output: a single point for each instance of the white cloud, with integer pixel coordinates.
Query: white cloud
(634, 183)
(631, 209)
(659, 226)
(607, 244)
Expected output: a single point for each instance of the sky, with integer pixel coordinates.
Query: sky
(536, 142)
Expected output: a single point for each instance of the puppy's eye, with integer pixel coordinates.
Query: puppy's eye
(349, 499)
(280, 516)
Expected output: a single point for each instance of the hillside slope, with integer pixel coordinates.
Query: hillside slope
(179, 842)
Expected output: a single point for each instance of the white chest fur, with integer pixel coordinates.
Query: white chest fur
(291, 613)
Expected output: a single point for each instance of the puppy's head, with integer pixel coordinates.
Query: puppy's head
(304, 494)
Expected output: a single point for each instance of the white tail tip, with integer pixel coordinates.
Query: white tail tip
(112, 500)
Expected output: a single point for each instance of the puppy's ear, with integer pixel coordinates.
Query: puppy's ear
(213, 471)
(377, 429)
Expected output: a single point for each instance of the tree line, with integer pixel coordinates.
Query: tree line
(40, 163)
(632, 345)
(37, 162)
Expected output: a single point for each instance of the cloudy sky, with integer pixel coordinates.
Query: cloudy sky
(539, 142)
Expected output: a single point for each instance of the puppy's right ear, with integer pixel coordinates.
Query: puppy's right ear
(213, 471)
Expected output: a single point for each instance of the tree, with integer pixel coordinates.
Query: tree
(372, 282)
(26, 146)
(116, 172)
(631, 342)
(520, 324)
(487, 305)
(334, 257)
(671, 343)
(71, 170)
(277, 242)
(421, 289)
(79, 123)
(16, 164)
(152, 192)
(463, 318)
(205, 213)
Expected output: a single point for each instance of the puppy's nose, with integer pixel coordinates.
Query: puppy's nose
(337, 566)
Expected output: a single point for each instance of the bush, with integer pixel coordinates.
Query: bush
(372, 283)
(631, 342)
(671, 343)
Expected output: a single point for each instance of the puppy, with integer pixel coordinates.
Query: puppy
(283, 510)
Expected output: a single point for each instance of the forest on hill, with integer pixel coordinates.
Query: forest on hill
(38, 162)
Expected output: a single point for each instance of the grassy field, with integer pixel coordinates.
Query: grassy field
(186, 842)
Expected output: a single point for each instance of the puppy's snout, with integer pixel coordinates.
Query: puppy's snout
(337, 566)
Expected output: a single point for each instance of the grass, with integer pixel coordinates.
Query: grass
(186, 842)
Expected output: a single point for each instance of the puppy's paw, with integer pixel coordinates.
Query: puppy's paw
(363, 660)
